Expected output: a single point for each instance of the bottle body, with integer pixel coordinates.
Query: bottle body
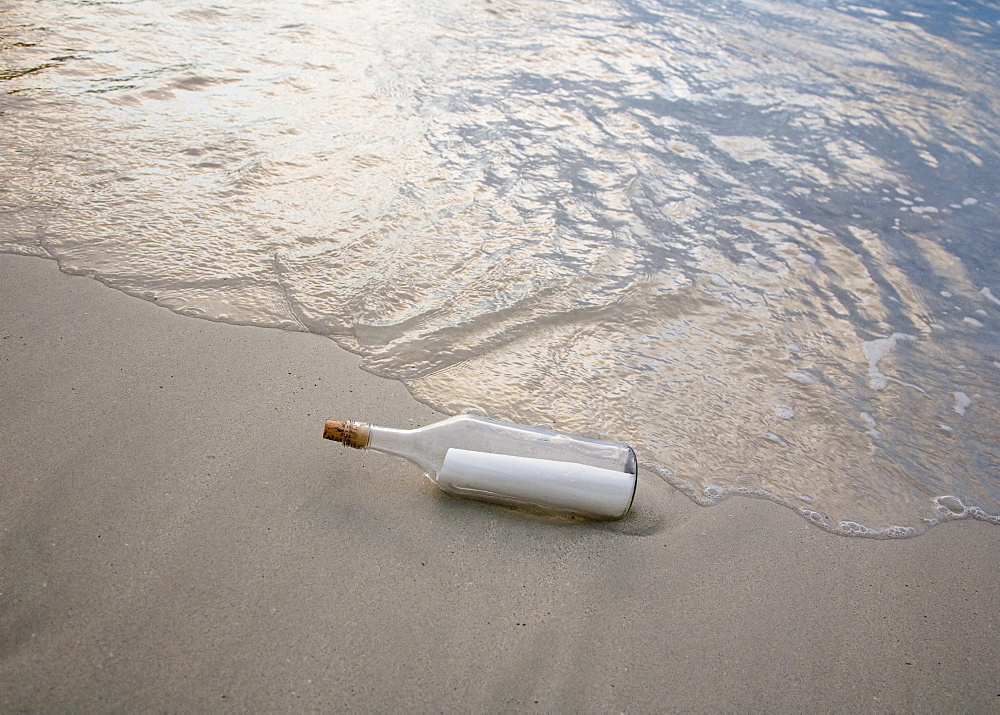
(490, 460)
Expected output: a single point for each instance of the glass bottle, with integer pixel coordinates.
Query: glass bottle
(479, 458)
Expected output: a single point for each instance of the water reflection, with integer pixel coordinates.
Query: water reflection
(757, 241)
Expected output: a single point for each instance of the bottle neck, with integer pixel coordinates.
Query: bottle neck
(399, 442)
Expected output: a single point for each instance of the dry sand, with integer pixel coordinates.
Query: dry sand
(176, 536)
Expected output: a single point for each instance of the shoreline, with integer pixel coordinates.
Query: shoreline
(177, 535)
(949, 508)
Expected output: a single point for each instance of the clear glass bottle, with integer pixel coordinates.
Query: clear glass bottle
(489, 460)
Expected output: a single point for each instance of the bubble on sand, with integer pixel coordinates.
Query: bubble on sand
(785, 413)
(807, 258)
(718, 280)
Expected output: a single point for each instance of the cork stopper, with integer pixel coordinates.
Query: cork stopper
(352, 434)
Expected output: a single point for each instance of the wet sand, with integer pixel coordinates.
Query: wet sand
(177, 536)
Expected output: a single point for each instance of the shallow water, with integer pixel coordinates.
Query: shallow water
(757, 240)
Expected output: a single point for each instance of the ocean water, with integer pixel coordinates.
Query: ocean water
(757, 240)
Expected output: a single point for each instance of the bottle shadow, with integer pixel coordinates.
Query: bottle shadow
(644, 519)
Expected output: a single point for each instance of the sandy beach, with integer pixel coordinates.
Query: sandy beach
(177, 536)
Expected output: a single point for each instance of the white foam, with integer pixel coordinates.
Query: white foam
(801, 377)
(785, 413)
(875, 351)
(972, 321)
(899, 532)
(715, 493)
(872, 432)
(945, 508)
(853, 528)
(969, 201)
(989, 295)
(962, 402)
(816, 518)
(950, 507)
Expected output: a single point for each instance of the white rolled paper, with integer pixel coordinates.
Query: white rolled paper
(543, 482)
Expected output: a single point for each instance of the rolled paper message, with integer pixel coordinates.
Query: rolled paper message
(555, 485)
